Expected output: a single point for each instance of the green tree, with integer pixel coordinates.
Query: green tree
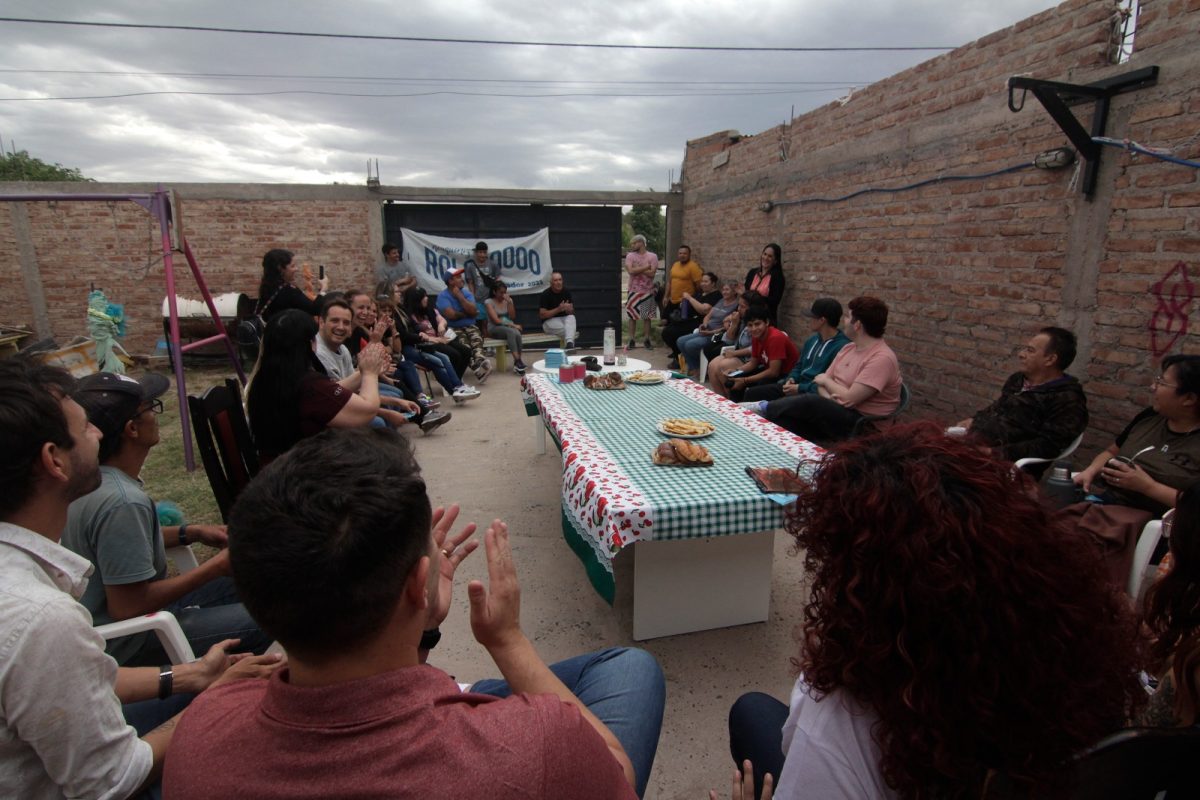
(20, 166)
(650, 222)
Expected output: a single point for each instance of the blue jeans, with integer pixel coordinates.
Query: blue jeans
(406, 373)
(756, 733)
(624, 688)
(208, 615)
(691, 345)
(443, 370)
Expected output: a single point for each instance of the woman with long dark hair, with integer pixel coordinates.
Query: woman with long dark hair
(291, 398)
(406, 339)
(767, 279)
(956, 638)
(433, 329)
(1173, 615)
(277, 291)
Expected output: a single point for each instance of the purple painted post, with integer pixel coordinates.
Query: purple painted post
(159, 207)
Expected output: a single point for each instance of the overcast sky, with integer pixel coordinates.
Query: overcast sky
(485, 140)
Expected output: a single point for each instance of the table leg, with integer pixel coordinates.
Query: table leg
(539, 434)
(684, 585)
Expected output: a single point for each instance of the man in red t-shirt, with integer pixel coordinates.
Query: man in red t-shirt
(337, 553)
(772, 354)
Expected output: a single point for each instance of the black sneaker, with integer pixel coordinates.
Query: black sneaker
(433, 420)
(632, 345)
(649, 345)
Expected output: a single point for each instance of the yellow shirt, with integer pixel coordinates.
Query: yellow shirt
(684, 278)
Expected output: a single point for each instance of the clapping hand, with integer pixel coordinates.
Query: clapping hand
(496, 608)
(452, 551)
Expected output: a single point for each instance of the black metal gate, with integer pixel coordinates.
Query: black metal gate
(585, 246)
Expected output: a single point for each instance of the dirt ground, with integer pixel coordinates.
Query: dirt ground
(485, 460)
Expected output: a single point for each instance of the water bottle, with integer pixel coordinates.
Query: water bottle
(1058, 487)
(610, 344)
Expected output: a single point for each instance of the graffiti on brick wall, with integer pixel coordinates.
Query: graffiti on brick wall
(1169, 322)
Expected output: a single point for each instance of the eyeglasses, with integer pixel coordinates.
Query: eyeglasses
(155, 407)
(1157, 382)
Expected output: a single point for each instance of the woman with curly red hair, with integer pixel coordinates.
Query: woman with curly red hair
(956, 639)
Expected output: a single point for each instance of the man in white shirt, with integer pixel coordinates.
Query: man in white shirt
(63, 730)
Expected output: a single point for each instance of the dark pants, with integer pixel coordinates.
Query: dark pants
(756, 733)
(673, 330)
(764, 391)
(207, 615)
(813, 417)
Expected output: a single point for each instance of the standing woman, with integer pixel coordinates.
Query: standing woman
(277, 290)
(767, 279)
(500, 312)
(641, 265)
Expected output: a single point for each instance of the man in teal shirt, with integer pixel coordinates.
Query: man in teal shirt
(815, 357)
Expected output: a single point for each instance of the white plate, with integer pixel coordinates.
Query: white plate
(659, 378)
(666, 432)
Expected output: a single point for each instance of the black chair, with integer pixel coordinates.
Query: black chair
(223, 439)
(1141, 763)
(865, 423)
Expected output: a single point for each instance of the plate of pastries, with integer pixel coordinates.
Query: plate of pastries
(681, 453)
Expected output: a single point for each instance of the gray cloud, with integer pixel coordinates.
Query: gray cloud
(443, 139)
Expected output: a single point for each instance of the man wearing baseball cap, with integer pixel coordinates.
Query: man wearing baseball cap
(459, 307)
(116, 528)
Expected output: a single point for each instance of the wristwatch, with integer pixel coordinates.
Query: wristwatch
(166, 681)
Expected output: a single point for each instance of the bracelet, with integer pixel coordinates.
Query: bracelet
(166, 681)
(183, 540)
(430, 639)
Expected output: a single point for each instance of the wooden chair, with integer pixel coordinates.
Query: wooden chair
(223, 439)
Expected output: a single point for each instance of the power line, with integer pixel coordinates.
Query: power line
(382, 79)
(423, 94)
(442, 40)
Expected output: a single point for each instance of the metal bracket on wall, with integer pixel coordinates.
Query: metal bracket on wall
(1058, 97)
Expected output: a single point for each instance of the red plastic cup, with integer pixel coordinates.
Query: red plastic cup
(580, 370)
(566, 373)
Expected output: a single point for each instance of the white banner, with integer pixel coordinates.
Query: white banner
(524, 262)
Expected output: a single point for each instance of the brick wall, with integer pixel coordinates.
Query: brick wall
(116, 246)
(971, 268)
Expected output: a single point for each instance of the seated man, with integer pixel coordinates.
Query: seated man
(557, 312)
(1040, 409)
(864, 378)
(772, 353)
(63, 730)
(459, 307)
(345, 515)
(335, 328)
(816, 356)
(116, 528)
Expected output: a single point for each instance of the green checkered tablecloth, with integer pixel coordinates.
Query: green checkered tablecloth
(614, 495)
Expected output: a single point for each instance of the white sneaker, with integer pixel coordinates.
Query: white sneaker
(756, 406)
(464, 393)
(483, 370)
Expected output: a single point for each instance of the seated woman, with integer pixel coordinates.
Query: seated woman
(406, 340)
(693, 307)
(277, 291)
(1173, 615)
(737, 336)
(291, 398)
(501, 324)
(864, 379)
(1138, 476)
(958, 641)
(692, 345)
(1161, 443)
(434, 330)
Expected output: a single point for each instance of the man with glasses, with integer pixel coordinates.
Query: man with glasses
(116, 528)
(1041, 409)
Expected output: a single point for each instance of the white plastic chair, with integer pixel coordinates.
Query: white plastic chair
(1022, 463)
(1146, 545)
(162, 623)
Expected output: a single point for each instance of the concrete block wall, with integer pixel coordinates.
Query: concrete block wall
(970, 268)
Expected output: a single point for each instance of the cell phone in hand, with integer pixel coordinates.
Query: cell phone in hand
(737, 373)
(321, 271)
